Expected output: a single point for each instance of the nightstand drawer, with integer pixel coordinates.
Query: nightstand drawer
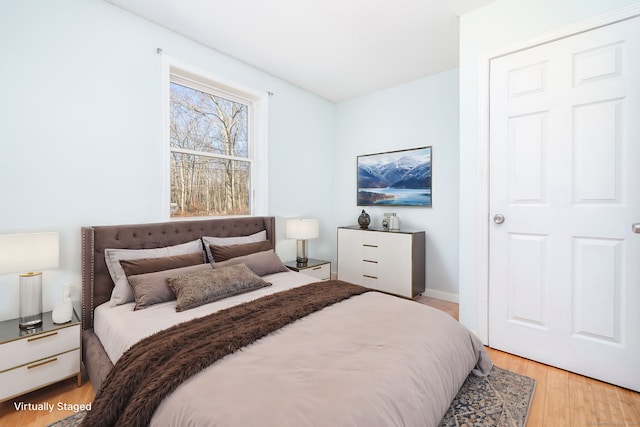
(38, 374)
(35, 347)
(322, 272)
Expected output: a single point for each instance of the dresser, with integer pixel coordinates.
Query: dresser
(388, 261)
(32, 359)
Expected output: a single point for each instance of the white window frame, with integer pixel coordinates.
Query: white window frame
(174, 70)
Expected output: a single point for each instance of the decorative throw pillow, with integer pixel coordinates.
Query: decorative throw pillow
(122, 292)
(261, 263)
(153, 288)
(150, 265)
(196, 289)
(236, 240)
(223, 253)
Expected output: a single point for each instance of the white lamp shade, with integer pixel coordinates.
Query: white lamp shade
(303, 229)
(29, 252)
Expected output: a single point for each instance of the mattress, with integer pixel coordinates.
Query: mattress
(119, 327)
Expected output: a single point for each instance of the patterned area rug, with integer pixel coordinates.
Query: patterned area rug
(71, 421)
(501, 399)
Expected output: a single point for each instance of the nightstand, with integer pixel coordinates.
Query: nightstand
(314, 267)
(32, 359)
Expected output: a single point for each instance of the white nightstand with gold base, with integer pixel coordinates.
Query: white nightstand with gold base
(32, 359)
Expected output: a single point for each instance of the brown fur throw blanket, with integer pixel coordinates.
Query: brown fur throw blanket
(157, 365)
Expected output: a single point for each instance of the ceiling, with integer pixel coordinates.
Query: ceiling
(337, 49)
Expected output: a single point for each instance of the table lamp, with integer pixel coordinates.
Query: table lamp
(29, 252)
(302, 230)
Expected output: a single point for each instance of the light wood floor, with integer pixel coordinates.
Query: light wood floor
(561, 398)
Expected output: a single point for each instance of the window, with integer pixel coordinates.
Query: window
(217, 146)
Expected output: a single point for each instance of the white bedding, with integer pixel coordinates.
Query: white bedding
(372, 360)
(119, 327)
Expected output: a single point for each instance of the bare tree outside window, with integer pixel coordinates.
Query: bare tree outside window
(210, 161)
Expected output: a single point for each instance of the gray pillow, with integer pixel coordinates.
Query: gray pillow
(261, 263)
(132, 267)
(196, 289)
(153, 288)
(236, 240)
(223, 253)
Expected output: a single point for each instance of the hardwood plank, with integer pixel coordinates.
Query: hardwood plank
(630, 405)
(538, 372)
(607, 406)
(556, 404)
(582, 405)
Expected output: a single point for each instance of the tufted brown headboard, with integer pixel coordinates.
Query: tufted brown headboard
(96, 281)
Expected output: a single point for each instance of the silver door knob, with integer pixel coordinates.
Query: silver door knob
(498, 218)
(636, 227)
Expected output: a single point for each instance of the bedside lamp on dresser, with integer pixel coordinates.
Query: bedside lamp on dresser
(20, 253)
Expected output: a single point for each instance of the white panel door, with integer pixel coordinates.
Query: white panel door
(564, 263)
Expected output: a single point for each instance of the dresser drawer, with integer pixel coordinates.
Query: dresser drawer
(38, 374)
(370, 238)
(370, 253)
(370, 268)
(35, 347)
(322, 272)
(370, 282)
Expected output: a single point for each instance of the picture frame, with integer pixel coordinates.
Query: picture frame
(395, 178)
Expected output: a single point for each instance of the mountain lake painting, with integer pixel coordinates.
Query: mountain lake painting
(395, 178)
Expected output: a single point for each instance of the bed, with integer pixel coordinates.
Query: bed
(357, 358)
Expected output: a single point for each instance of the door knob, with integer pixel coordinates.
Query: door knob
(636, 227)
(499, 219)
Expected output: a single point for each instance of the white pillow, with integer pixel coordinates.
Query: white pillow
(122, 292)
(260, 236)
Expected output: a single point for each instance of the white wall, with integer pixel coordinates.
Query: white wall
(484, 31)
(81, 129)
(420, 113)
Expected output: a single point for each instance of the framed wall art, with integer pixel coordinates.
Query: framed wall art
(395, 178)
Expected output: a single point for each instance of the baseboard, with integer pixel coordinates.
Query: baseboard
(446, 296)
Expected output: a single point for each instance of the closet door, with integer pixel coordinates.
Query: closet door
(564, 270)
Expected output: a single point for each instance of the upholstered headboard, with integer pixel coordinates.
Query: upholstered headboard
(96, 281)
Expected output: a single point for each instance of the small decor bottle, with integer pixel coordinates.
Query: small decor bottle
(364, 220)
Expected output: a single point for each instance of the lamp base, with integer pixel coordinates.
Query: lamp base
(30, 322)
(301, 252)
(30, 300)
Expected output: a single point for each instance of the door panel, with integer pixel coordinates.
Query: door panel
(564, 276)
(597, 287)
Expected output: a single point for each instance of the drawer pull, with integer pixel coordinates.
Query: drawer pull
(39, 337)
(370, 246)
(42, 363)
(370, 277)
(371, 261)
(316, 268)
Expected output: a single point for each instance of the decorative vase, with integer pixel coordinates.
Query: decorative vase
(364, 220)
